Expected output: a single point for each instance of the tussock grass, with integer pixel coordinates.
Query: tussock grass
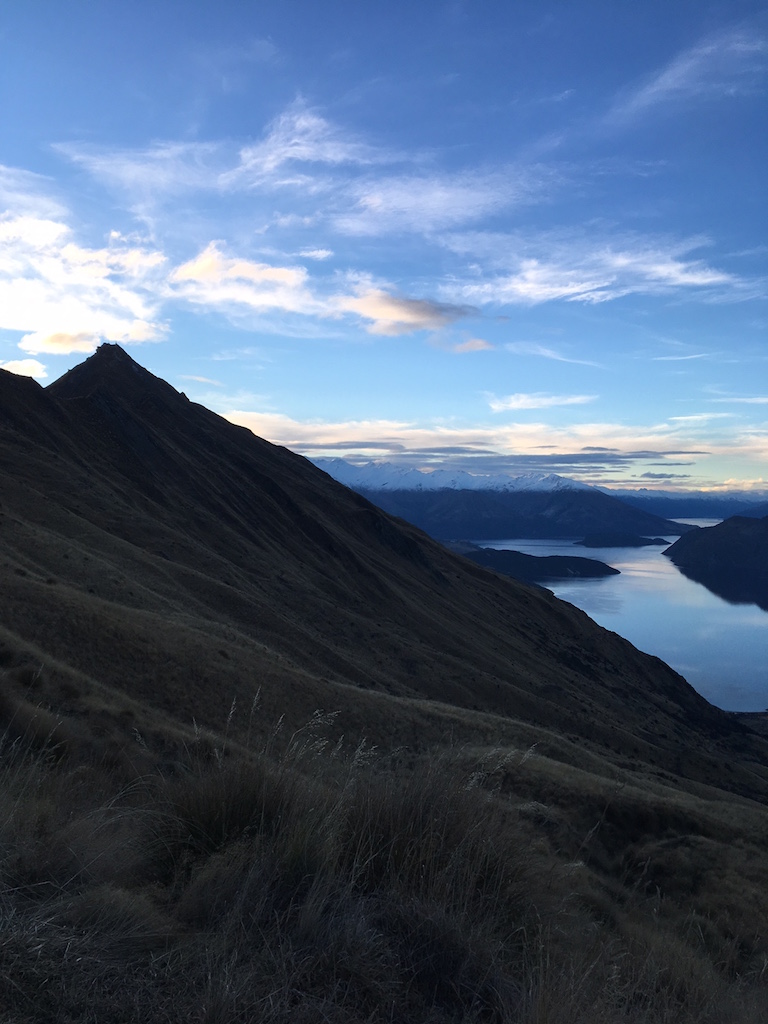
(303, 882)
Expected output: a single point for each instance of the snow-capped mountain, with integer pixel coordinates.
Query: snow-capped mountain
(384, 476)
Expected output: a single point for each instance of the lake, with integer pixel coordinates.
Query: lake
(720, 648)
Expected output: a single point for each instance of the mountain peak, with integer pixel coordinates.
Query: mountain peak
(110, 369)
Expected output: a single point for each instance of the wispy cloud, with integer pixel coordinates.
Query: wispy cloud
(680, 359)
(26, 194)
(577, 268)
(331, 176)
(298, 136)
(201, 380)
(316, 254)
(428, 203)
(665, 476)
(537, 400)
(162, 168)
(732, 63)
(296, 149)
(701, 417)
(530, 348)
(755, 400)
(472, 345)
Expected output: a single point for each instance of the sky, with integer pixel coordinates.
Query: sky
(495, 236)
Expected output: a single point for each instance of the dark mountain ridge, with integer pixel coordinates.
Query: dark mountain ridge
(541, 515)
(155, 549)
(696, 504)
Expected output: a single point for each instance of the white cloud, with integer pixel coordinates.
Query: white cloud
(537, 400)
(316, 254)
(730, 64)
(25, 368)
(63, 296)
(211, 267)
(60, 344)
(216, 280)
(26, 232)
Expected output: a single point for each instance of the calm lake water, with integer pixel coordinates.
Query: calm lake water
(720, 648)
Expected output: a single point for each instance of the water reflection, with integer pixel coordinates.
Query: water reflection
(721, 648)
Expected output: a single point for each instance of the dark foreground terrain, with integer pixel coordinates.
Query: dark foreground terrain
(270, 754)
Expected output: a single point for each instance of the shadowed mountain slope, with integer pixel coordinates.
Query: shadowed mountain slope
(152, 548)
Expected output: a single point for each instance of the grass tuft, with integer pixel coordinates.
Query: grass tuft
(306, 883)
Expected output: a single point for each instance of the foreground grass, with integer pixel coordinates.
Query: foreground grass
(304, 882)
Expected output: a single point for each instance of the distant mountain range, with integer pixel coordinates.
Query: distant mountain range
(697, 504)
(385, 476)
(452, 506)
(374, 476)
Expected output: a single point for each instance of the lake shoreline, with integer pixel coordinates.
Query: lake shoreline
(721, 648)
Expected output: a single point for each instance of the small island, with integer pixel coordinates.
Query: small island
(616, 539)
(730, 559)
(534, 568)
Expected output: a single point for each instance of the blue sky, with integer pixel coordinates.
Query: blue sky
(493, 236)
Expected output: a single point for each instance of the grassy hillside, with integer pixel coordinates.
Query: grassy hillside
(268, 753)
(177, 875)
